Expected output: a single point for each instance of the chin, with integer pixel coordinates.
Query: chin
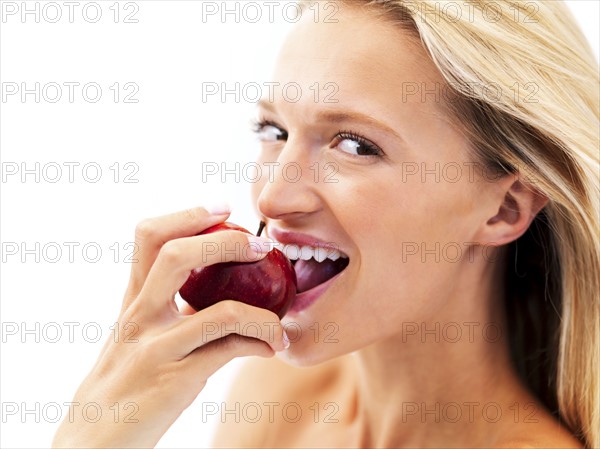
(304, 351)
(304, 357)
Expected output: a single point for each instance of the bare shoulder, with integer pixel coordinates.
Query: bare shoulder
(270, 395)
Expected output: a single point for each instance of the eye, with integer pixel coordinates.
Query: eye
(268, 131)
(356, 145)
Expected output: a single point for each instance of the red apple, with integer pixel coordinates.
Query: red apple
(269, 283)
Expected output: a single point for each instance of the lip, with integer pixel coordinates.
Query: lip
(287, 237)
(305, 299)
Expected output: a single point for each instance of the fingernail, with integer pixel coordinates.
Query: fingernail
(286, 340)
(218, 208)
(260, 246)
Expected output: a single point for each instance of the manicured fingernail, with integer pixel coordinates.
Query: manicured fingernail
(260, 246)
(286, 340)
(218, 208)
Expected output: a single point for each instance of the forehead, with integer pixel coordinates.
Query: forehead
(362, 61)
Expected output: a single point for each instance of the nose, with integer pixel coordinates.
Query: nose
(289, 190)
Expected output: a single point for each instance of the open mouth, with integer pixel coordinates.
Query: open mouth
(314, 265)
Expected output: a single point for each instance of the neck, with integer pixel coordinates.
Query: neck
(441, 380)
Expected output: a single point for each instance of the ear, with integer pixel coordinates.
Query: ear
(519, 204)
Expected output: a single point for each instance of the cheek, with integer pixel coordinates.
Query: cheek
(432, 209)
(413, 231)
(384, 212)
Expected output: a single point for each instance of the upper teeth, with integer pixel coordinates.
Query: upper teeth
(295, 252)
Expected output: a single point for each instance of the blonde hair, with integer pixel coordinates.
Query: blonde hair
(549, 130)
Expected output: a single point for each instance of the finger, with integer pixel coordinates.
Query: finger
(220, 320)
(151, 234)
(206, 360)
(177, 258)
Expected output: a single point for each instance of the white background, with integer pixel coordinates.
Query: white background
(166, 135)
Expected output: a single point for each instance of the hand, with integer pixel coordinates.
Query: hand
(163, 356)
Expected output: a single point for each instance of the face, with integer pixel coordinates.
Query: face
(362, 144)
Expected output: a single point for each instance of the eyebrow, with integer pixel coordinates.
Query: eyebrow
(335, 116)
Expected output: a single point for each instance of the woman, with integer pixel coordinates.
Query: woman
(457, 171)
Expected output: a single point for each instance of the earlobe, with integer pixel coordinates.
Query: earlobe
(518, 209)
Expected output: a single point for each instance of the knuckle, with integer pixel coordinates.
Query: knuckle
(230, 311)
(235, 244)
(149, 355)
(168, 376)
(145, 350)
(146, 230)
(171, 252)
(142, 355)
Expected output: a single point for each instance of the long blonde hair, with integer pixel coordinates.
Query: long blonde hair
(536, 113)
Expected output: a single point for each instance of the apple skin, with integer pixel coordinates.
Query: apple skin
(269, 283)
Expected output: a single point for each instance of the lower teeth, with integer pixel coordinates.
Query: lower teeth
(311, 273)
